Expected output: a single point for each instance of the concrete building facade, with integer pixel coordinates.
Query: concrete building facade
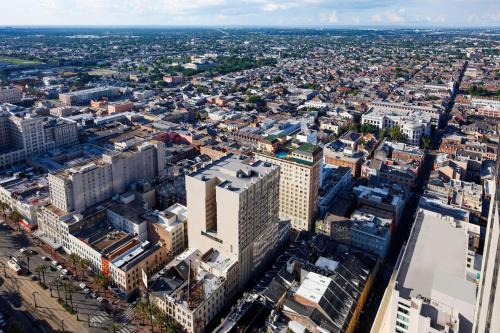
(233, 207)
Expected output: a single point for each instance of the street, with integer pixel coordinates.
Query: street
(19, 294)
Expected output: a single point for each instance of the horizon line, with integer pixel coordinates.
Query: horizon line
(333, 27)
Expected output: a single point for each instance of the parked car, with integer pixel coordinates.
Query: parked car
(82, 285)
(43, 258)
(59, 267)
(86, 290)
(64, 271)
(23, 250)
(94, 294)
(54, 263)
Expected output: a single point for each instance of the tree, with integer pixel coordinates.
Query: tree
(83, 265)
(113, 328)
(57, 282)
(41, 270)
(253, 99)
(73, 259)
(353, 127)
(38, 270)
(141, 311)
(368, 128)
(68, 287)
(396, 134)
(101, 281)
(426, 142)
(159, 317)
(15, 216)
(28, 255)
(3, 207)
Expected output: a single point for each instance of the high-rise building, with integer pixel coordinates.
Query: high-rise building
(487, 315)
(233, 207)
(79, 187)
(23, 135)
(299, 183)
(429, 290)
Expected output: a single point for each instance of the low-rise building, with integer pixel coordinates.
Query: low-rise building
(193, 288)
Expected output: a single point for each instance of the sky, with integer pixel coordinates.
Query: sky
(286, 13)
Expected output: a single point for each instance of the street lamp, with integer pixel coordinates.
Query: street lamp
(4, 271)
(34, 298)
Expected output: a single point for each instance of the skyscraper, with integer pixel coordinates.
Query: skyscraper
(233, 207)
(487, 315)
(299, 183)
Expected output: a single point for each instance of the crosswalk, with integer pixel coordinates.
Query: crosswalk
(128, 314)
(102, 320)
(125, 329)
(99, 319)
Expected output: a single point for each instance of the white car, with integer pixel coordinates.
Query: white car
(100, 299)
(64, 271)
(23, 250)
(43, 258)
(86, 290)
(55, 263)
(82, 285)
(59, 267)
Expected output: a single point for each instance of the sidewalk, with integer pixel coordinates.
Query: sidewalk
(48, 309)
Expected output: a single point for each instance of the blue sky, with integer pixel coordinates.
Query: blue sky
(326, 13)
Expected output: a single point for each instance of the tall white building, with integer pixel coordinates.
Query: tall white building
(300, 174)
(80, 187)
(233, 207)
(487, 317)
(428, 290)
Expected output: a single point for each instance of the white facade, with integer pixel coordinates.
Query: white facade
(232, 207)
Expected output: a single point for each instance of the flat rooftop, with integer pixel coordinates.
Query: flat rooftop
(436, 248)
(235, 172)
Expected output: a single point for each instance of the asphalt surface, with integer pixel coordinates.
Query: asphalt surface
(18, 293)
(404, 228)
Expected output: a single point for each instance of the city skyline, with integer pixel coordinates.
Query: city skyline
(217, 13)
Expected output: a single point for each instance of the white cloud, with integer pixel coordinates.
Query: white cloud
(377, 18)
(389, 16)
(273, 6)
(330, 17)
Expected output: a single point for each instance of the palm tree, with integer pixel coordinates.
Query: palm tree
(39, 270)
(159, 317)
(101, 281)
(3, 207)
(69, 290)
(73, 260)
(141, 310)
(15, 217)
(44, 268)
(57, 282)
(83, 265)
(28, 254)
